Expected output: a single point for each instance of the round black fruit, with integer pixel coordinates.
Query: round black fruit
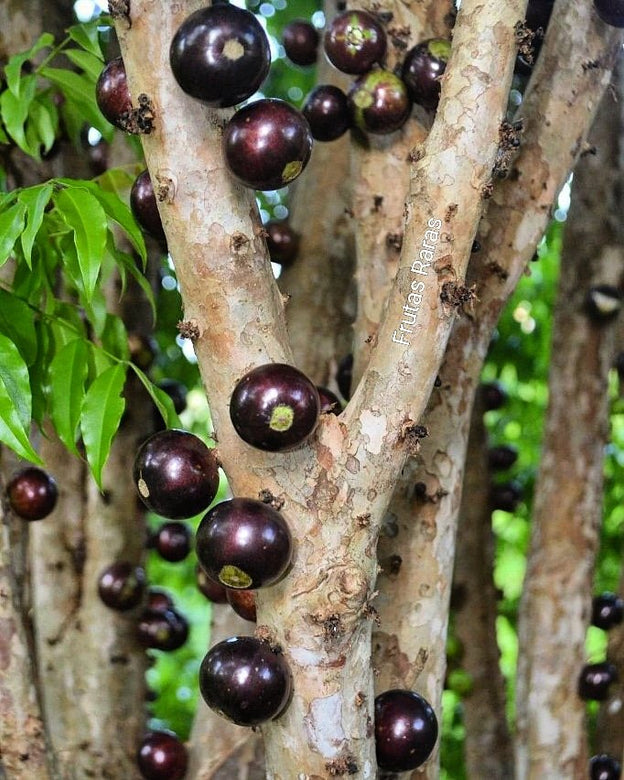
(32, 493)
(243, 602)
(355, 41)
(610, 11)
(267, 144)
(538, 14)
(344, 376)
(607, 611)
(212, 590)
(604, 767)
(220, 55)
(423, 68)
(245, 681)
(327, 110)
(282, 241)
(595, 679)
(112, 94)
(506, 496)
(330, 403)
(159, 600)
(603, 302)
(379, 102)
(144, 207)
(300, 40)
(493, 396)
(274, 407)
(502, 457)
(162, 629)
(172, 541)
(121, 585)
(162, 756)
(176, 474)
(244, 543)
(406, 730)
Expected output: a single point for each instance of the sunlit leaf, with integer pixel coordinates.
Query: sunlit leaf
(35, 199)
(11, 225)
(15, 401)
(68, 373)
(13, 69)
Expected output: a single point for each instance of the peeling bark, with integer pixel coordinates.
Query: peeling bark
(556, 601)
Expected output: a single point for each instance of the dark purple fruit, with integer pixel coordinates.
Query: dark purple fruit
(159, 600)
(144, 207)
(172, 541)
(282, 241)
(604, 767)
(344, 376)
(502, 457)
(327, 110)
(330, 403)
(244, 543)
(274, 407)
(176, 474)
(538, 14)
(245, 681)
(493, 396)
(220, 55)
(121, 585)
(610, 11)
(32, 493)
(595, 679)
(243, 602)
(212, 590)
(506, 496)
(162, 629)
(607, 611)
(423, 68)
(267, 144)
(162, 756)
(406, 730)
(603, 302)
(379, 102)
(355, 41)
(300, 40)
(112, 94)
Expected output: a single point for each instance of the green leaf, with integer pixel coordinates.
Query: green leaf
(35, 199)
(86, 61)
(11, 225)
(84, 215)
(15, 111)
(127, 264)
(15, 401)
(79, 89)
(86, 36)
(17, 323)
(114, 337)
(162, 400)
(68, 374)
(4, 138)
(13, 69)
(101, 414)
(43, 119)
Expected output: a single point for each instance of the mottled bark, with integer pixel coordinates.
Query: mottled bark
(567, 513)
(488, 746)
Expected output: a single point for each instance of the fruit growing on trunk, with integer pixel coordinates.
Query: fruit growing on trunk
(245, 680)
(121, 585)
(406, 730)
(506, 496)
(423, 67)
(172, 541)
(282, 241)
(603, 303)
(144, 207)
(502, 457)
(300, 40)
(32, 493)
(158, 600)
(379, 102)
(212, 590)
(243, 602)
(595, 679)
(244, 543)
(355, 41)
(274, 407)
(220, 55)
(330, 403)
(604, 767)
(112, 94)
(327, 110)
(610, 11)
(162, 629)
(267, 144)
(176, 474)
(162, 756)
(607, 611)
